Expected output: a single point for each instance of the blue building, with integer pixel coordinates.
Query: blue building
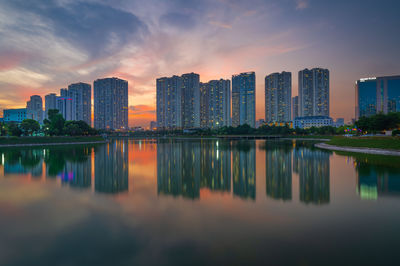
(14, 115)
(377, 95)
(244, 99)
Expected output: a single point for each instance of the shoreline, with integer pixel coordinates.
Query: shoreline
(52, 144)
(358, 149)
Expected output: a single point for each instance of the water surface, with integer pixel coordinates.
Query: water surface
(197, 202)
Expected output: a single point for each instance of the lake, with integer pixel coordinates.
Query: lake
(198, 202)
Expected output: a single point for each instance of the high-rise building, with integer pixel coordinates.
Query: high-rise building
(110, 103)
(82, 95)
(295, 107)
(278, 97)
(377, 95)
(50, 102)
(34, 108)
(204, 105)
(243, 99)
(169, 103)
(215, 103)
(314, 92)
(66, 105)
(190, 100)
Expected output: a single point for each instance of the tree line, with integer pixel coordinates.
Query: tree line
(54, 125)
(378, 123)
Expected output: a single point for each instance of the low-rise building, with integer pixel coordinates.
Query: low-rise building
(14, 115)
(339, 122)
(313, 121)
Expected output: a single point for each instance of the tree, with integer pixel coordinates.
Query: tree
(3, 129)
(55, 124)
(30, 126)
(78, 128)
(72, 128)
(14, 130)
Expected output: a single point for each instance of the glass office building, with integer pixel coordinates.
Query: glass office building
(377, 95)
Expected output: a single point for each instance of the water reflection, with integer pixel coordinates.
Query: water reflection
(377, 176)
(216, 165)
(278, 161)
(178, 168)
(313, 169)
(244, 169)
(23, 162)
(73, 165)
(111, 168)
(186, 167)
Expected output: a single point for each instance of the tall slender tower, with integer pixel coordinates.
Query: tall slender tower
(34, 108)
(82, 95)
(295, 107)
(314, 92)
(169, 103)
(191, 100)
(278, 96)
(110, 104)
(50, 103)
(243, 99)
(215, 103)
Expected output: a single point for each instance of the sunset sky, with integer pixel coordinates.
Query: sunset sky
(46, 45)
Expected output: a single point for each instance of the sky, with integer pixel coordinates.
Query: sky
(46, 45)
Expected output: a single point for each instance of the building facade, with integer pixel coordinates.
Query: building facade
(66, 106)
(243, 99)
(312, 121)
(111, 104)
(14, 115)
(295, 107)
(215, 103)
(169, 103)
(34, 108)
(82, 95)
(377, 95)
(190, 100)
(314, 92)
(50, 102)
(204, 104)
(278, 97)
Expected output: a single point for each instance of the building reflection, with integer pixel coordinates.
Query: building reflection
(377, 176)
(111, 167)
(312, 165)
(279, 171)
(78, 169)
(20, 161)
(216, 165)
(244, 169)
(178, 168)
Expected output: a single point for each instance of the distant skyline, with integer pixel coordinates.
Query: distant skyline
(47, 45)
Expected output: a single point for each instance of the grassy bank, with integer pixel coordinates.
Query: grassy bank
(47, 140)
(387, 143)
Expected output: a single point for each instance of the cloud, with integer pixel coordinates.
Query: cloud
(177, 20)
(141, 109)
(221, 25)
(301, 4)
(94, 27)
